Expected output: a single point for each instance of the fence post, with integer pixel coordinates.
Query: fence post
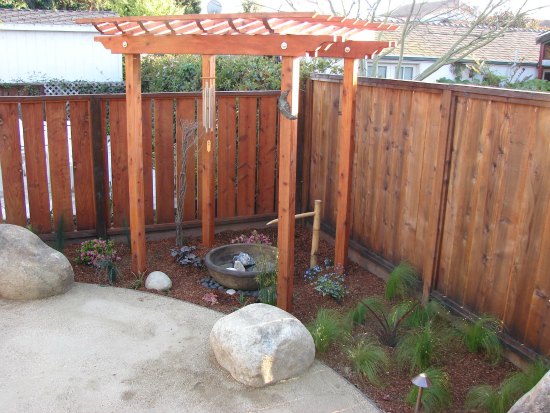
(98, 157)
(303, 163)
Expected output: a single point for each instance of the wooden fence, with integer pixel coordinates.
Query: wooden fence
(55, 150)
(455, 180)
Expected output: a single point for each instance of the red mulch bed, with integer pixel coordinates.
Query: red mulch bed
(465, 369)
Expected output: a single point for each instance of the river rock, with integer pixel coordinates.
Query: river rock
(30, 269)
(157, 280)
(261, 344)
(537, 400)
(238, 266)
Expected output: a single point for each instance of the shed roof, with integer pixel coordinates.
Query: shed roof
(49, 17)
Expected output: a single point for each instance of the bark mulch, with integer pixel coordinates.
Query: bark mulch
(465, 369)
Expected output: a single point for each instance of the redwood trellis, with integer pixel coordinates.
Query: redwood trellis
(290, 35)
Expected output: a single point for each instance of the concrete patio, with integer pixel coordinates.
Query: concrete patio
(103, 349)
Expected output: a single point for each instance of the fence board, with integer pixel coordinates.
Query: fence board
(58, 153)
(105, 143)
(147, 136)
(246, 183)
(267, 153)
(119, 163)
(164, 159)
(32, 115)
(185, 111)
(12, 167)
(83, 168)
(227, 162)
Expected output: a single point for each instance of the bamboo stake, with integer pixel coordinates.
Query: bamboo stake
(316, 214)
(316, 231)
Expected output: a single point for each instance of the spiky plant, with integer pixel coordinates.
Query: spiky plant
(418, 348)
(369, 359)
(326, 328)
(499, 399)
(482, 336)
(436, 398)
(389, 321)
(403, 282)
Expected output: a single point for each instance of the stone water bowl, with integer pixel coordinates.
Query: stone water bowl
(219, 259)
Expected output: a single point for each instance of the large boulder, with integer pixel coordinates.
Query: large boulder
(537, 400)
(261, 344)
(29, 269)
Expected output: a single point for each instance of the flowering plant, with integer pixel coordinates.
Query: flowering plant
(210, 298)
(254, 238)
(96, 252)
(328, 280)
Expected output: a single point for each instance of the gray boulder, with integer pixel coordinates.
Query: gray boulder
(535, 401)
(157, 280)
(30, 269)
(261, 344)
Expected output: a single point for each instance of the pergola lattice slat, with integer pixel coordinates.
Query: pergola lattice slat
(290, 35)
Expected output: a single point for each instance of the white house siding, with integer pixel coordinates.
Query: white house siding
(42, 52)
(418, 66)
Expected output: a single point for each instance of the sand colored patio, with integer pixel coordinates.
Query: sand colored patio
(103, 349)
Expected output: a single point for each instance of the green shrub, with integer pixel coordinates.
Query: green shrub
(418, 348)
(436, 398)
(369, 359)
(482, 336)
(432, 311)
(326, 328)
(403, 282)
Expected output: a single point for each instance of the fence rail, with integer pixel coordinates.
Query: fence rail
(454, 179)
(54, 150)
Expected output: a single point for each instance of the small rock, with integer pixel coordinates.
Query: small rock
(221, 288)
(205, 284)
(244, 259)
(157, 280)
(239, 266)
(387, 397)
(231, 291)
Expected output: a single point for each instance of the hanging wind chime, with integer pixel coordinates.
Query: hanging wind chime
(208, 103)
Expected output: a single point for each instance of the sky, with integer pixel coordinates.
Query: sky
(234, 6)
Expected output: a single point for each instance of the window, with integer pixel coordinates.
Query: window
(546, 75)
(382, 71)
(406, 72)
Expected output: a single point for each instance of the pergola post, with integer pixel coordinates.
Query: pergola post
(135, 162)
(207, 147)
(345, 161)
(288, 132)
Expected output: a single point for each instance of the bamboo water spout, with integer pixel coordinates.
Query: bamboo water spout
(316, 214)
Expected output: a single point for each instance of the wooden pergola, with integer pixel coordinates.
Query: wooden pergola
(290, 35)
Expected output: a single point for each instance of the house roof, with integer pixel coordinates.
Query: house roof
(424, 8)
(49, 17)
(544, 38)
(433, 40)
